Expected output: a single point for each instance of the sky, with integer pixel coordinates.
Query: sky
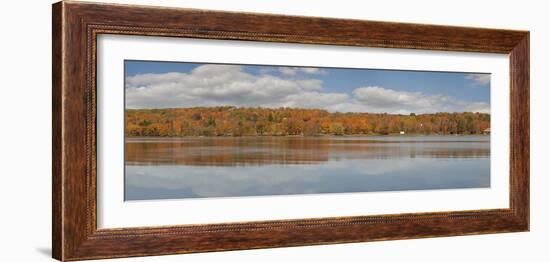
(152, 84)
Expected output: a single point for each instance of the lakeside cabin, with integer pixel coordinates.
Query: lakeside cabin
(487, 131)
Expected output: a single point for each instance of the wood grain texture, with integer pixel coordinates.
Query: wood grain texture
(76, 27)
(57, 190)
(519, 129)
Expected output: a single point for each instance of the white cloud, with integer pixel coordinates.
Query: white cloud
(481, 107)
(211, 85)
(381, 99)
(292, 71)
(315, 100)
(312, 70)
(288, 71)
(220, 85)
(479, 79)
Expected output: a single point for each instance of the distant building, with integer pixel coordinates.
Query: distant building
(487, 131)
(401, 132)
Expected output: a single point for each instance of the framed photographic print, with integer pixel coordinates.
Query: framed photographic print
(181, 130)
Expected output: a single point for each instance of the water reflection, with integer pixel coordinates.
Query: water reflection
(296, 150)
(163, 168)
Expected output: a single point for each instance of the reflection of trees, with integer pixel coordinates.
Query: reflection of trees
(288, 150)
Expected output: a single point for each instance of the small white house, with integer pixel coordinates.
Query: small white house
(401, 132)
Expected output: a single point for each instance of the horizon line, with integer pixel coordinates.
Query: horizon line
(305, 108)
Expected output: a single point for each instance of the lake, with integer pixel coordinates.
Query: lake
(201, 167)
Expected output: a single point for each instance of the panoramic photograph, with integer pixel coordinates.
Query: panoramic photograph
(203, 130)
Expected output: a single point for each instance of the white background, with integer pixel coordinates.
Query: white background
(114, 212)
(25, 124)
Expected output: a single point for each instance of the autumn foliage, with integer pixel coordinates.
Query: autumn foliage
(233, 121)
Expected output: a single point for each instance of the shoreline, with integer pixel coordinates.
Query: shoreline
(319, 136)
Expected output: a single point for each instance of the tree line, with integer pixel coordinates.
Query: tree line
(236, 121)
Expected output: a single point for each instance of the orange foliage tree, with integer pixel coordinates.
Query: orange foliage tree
(233, 121)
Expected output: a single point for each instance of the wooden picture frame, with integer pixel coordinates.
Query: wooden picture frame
(76, 26)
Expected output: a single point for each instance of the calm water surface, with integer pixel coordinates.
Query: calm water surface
(197, 167)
